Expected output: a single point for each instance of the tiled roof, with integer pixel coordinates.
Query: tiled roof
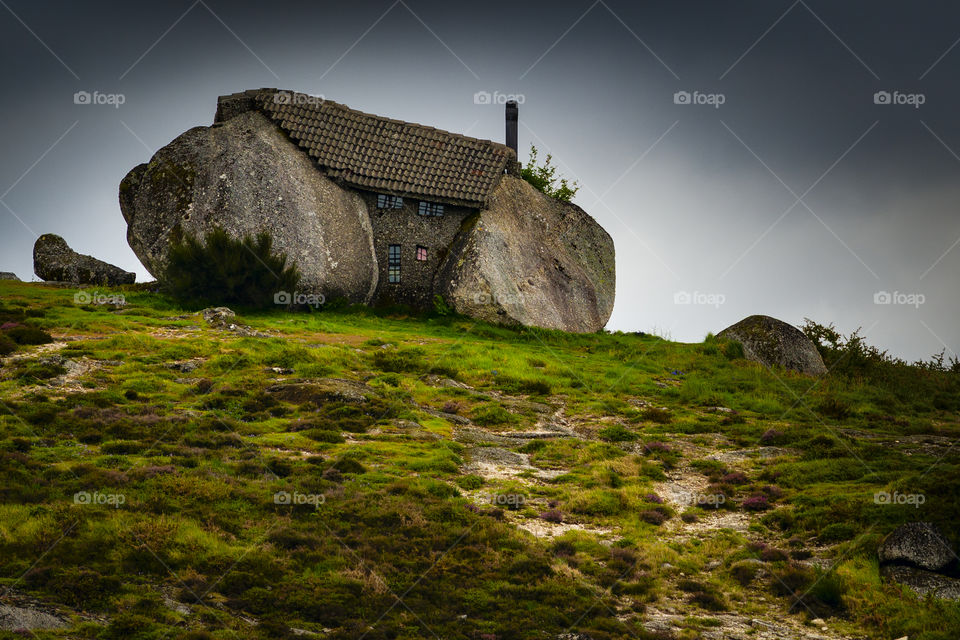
(388, 156)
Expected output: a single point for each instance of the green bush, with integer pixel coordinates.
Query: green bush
(28, 335)
(224, 270)
(7, 346)
(544, 179)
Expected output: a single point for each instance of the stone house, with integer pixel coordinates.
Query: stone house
(420, 184)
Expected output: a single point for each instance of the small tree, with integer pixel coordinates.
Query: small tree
(222, 269)
(544, 178)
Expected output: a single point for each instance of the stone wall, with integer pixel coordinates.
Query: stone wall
(410, 230)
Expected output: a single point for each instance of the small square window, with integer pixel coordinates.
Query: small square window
(389, 202)
(421, 254)
(430, 208)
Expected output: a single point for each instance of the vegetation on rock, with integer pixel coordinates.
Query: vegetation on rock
(544, 178)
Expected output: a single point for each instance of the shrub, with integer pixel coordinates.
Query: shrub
(7, 346)
(25, 335)
(744, 572)
(225, 270)
(756, 503)
(617, 433)
(771, 436)
(653, 517)
(544, 178)
(552, 515)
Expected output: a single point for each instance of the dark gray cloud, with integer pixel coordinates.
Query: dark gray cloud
(699, 199)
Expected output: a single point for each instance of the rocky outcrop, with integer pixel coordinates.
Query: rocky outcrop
(923, 582)
(532, 260)
(54, 260)
(7, 275)
(919, 544)
(917, 555)
(24, 618)
(245, 176)
(773, 342)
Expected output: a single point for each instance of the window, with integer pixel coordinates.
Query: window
(421, 253)
(430, 209)
(389, 202)
(393, 264)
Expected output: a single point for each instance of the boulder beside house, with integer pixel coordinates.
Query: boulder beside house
(377, 211)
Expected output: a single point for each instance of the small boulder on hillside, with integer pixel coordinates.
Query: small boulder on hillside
(55, 261)
(773, 342)
(6, 275)
(919, 544)
(218, 316)
(923, 582)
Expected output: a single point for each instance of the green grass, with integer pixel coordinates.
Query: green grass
(200, 453)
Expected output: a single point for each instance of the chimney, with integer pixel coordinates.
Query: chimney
(512, 111)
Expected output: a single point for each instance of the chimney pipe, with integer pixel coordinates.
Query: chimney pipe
(512, 113)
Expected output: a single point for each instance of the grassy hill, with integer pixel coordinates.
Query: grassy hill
(347, 474)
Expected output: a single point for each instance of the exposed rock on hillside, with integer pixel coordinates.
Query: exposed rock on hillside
(918, 544)
(54, 260)
(530, 259)
(773, 342)
(7, 275)
(245, 176)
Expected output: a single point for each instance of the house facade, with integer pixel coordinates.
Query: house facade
(420, 184)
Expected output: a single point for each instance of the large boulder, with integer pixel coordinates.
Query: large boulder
(8, 275)
(245, 176)
(773, 342)
(54, 260)
(919, 544)
(530, 259)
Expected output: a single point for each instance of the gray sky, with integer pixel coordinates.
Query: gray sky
(798, 196)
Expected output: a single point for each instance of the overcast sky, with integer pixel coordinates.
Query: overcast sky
(780, 183)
